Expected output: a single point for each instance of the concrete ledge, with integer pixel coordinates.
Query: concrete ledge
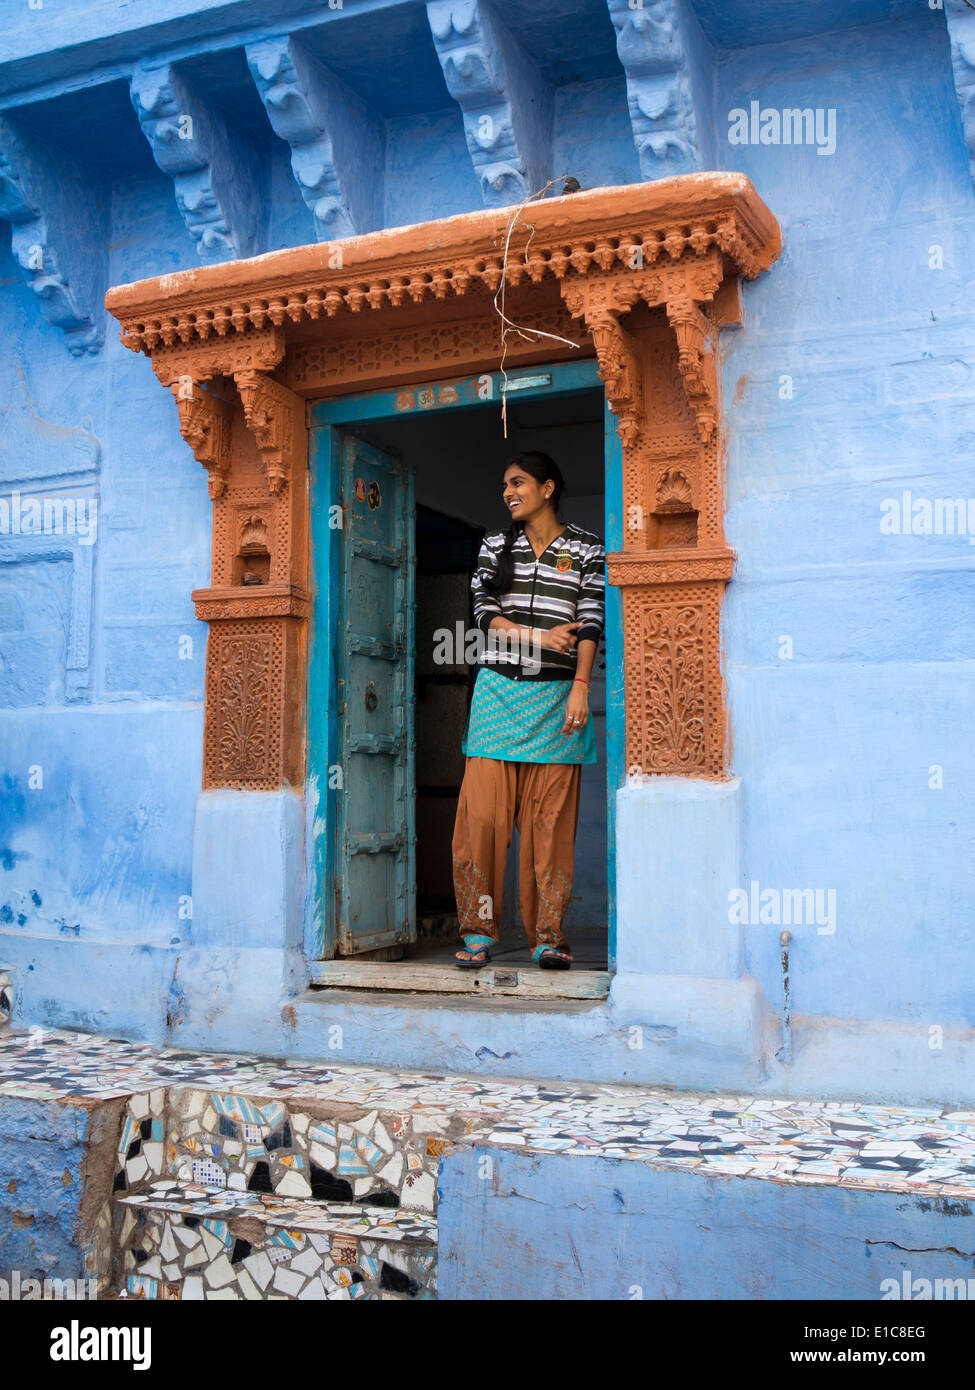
(908, 1061)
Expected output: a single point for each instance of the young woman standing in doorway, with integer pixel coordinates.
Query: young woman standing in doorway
(539, 599)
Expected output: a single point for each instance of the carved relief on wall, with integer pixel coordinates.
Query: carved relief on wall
(249, 732)
(670, 638)
(244, 670)
(644, 275)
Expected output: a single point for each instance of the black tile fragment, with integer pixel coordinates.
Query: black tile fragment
(280, 1139)
(385, 1197)
(326, 1187)
(260, 1179)
(395, 1281)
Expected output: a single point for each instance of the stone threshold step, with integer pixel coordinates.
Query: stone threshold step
(181, 1241)
(524, 982)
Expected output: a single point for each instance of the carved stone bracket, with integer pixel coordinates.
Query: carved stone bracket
(506, 101)
(59, 227)
(960, 18)
(205, 424)
(669, 112)
(619, 371)
(273, 415)
(333, 136)
(217, 177)
(696, 357)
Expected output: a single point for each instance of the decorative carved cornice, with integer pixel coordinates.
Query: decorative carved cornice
(205, 423)
(261, 351)
(640, 230)
(674, 566)
(272, 413)
(255, 601)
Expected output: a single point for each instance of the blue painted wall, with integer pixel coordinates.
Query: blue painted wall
(834, 744)
(54, 1187)
(555, 1227)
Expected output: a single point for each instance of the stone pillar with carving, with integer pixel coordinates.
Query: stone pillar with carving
(655, 332)
(249, 432)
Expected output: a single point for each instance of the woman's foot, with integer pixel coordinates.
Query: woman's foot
(472, 960)
(477, 952)
(549, 958)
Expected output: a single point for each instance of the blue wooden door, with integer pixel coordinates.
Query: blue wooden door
(374, 853)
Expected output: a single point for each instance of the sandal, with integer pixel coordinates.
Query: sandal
(548, 958)
(477, 953)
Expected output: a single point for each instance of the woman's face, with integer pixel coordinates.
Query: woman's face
(523, 495)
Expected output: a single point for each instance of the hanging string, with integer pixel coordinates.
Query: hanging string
(508, 326)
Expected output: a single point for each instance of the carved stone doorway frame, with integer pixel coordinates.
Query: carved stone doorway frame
(642, 277)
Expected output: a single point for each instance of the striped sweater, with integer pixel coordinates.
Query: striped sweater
(565, 584)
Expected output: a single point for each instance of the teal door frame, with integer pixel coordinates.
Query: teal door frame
(326, 420)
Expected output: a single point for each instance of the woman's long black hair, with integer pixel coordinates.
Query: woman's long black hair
(543, 469)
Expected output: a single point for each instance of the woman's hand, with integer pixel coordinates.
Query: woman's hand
(576, 709)
(561, 638)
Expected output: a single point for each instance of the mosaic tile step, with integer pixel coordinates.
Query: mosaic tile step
(358, 1135)
(181, 1241)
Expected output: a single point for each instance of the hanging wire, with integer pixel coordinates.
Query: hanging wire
(508, 326)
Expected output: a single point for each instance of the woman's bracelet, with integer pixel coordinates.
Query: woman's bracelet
(577, 680)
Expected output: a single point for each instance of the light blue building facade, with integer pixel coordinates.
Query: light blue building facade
(132, 904)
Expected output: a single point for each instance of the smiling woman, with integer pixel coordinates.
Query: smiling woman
(539, 597)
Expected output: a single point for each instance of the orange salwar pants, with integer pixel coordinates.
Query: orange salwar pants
(542, 800)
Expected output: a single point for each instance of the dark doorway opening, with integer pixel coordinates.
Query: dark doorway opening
(458, 458)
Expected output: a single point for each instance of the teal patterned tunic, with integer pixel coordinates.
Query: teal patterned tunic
(520, 721)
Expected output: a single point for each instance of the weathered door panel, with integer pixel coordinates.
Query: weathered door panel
(374, 851)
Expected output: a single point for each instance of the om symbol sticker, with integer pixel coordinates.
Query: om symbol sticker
(375, 496)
